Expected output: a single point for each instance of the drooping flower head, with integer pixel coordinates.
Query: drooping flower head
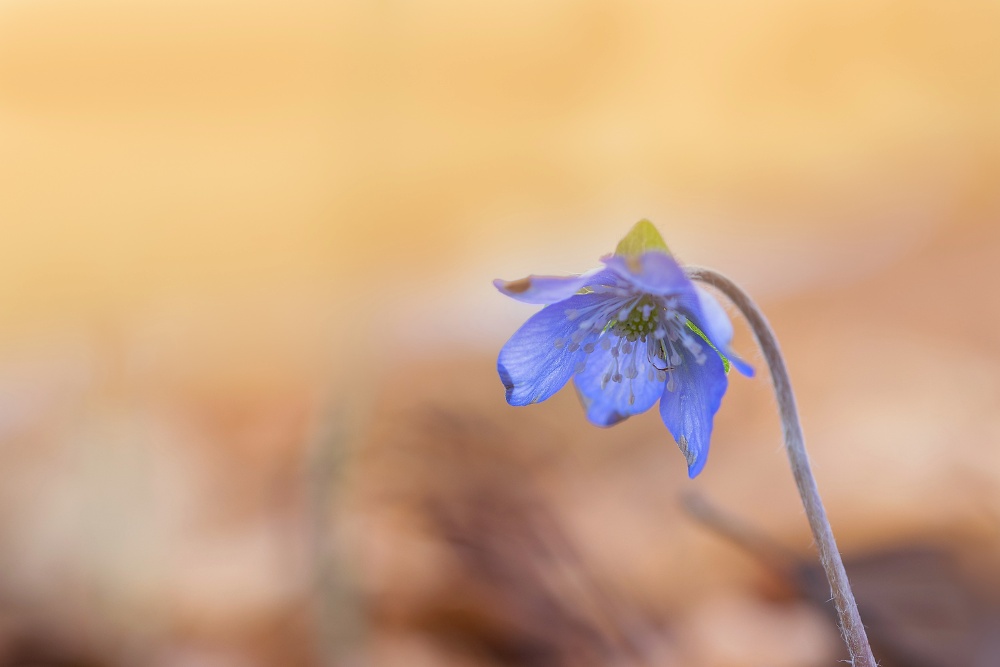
(631, 333)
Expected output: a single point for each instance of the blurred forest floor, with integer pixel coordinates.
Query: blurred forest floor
(436, 525)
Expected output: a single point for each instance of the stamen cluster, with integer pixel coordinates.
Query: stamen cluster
(638, 331)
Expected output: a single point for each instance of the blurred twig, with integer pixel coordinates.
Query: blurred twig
(339, 615)
(773, 555)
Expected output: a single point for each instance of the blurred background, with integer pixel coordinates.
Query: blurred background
(249, 412)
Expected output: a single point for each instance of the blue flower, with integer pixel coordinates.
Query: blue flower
(631, 333)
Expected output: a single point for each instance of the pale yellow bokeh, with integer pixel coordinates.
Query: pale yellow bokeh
(159, 149)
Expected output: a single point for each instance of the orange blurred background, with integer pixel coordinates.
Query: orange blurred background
(245, 243)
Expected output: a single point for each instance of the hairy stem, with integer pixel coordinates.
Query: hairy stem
(829, 556)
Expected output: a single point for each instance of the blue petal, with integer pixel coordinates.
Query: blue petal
(715, 322)
(653, 272)
(610, 405)
(689, 410)
(531, 367)
(550, 289)
(740, 365)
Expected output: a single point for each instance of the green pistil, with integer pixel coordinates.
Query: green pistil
(635, 325)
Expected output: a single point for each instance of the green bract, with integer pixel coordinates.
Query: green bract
(643, 237)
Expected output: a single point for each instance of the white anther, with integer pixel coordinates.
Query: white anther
(659, 333)
(627, 348)
(559, 343)
(588, 348)
(672, 383)
(661, 375)
(573, 347)
(616, 377)
(623, 314)
(572, 314)
(580, 367)
(606, 343)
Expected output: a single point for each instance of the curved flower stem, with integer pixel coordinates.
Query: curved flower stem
(847, 608)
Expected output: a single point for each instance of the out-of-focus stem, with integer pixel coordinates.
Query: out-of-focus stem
(829, 556)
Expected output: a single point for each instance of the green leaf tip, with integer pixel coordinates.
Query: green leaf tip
(701, 334)
(643, 237)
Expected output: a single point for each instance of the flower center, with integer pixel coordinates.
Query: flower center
(643, 334)
(643, 320)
